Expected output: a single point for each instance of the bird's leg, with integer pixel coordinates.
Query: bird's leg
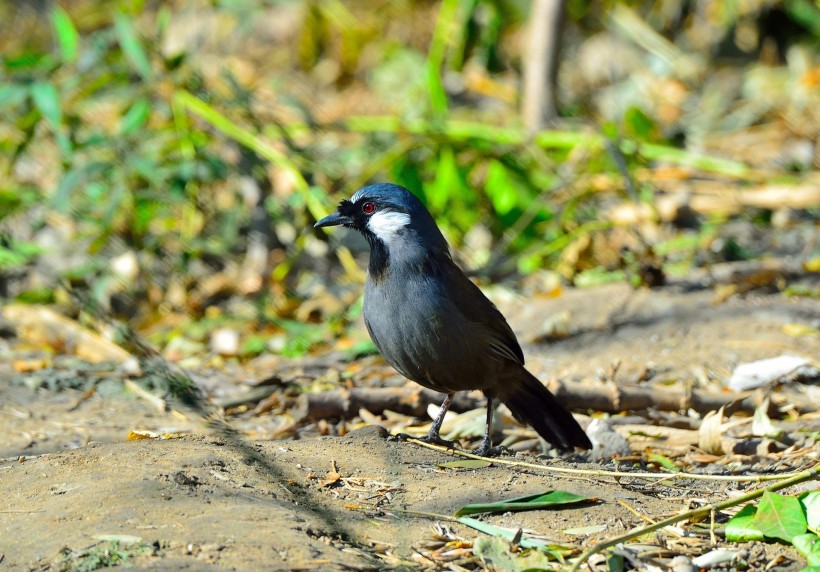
(486, 448)
(433, 436)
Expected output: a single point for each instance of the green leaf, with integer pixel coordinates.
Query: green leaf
(615, 561)
(780, 517)
(639, 125)
(27, 61)
(504, 533)
(446, 182)
(712, 163)
(435, 87)
(741, 527)
(596, 277)
(254, 345)
(762, 425)
(64, 143)
(465, 464)
(136, 116)
(132, 46)
(12, 199)
(81, 178)
(361, 349)
(17, 254)
(495, 552)
(549, 499)
(301, 337)
(810, 502)
(501, 187)
(67, 36)
(41, 295)
(806, 14)
(663, 461)
(499, 555)
(809, 546)
(47, 100)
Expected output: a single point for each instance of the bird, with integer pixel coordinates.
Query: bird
(435, 326)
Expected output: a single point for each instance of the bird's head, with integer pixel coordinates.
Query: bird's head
(389, 216)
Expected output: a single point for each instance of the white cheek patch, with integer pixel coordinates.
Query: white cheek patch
(386, 224)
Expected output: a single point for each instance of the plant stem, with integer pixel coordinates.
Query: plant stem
(617, 474)
(808, 475)
(253, 142)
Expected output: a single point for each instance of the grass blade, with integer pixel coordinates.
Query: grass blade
(252, 141)
(47, 100)
(67, 36)
(136, 116)
(435, 56)
(132, 46)
(546, 500)
(504, 533)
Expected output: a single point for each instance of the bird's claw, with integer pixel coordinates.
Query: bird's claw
(486, 449)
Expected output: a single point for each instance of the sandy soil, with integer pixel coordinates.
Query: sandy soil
(220, 502)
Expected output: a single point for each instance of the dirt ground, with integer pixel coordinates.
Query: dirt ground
(221, 502)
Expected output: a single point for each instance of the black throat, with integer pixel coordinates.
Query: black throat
(379, 257)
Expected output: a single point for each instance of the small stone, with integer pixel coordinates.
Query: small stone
(225, 341)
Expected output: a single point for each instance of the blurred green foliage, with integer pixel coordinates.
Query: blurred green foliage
(167, 128)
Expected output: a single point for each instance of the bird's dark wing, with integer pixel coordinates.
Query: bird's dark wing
(476, 308)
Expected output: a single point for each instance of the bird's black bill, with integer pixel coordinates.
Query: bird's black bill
(333, 219)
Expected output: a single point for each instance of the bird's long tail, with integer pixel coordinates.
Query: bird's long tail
(532, 403)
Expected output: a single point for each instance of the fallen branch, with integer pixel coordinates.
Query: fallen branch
(803, 476)
(583, 396)
(346, 403)
(612, 398)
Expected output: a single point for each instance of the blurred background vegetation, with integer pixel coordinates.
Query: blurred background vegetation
(167, 159)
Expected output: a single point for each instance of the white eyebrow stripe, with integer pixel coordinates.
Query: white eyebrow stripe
(386, 224)
(356, 196)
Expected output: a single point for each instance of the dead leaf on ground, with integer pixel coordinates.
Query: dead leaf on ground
(332, 476)
(709, 434)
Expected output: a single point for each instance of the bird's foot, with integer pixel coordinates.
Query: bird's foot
(486, 449)
(434, 439)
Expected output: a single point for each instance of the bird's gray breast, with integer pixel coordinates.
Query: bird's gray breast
(416, 326)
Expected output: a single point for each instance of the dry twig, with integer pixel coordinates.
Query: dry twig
(617, 474)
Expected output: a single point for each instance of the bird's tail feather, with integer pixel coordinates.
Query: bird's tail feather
(532, 403)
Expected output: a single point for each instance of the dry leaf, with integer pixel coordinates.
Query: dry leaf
(710, 432)
(762, 372)
(332, 477)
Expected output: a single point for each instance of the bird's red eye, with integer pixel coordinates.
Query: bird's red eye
(368, 208)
